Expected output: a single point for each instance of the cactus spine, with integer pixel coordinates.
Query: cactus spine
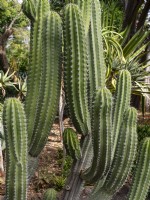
(71, 143)
(141, 182)
(76, 68)
(16, 149)
(50, 194)
(50, 87)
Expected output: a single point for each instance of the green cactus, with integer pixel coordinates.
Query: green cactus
(71, 143)
(123, 159)
(85, 7)
(101, 135)
(15, 130)
(50, 194)
(49, 90)
(29, 9)
(35, 70)
(108, 128)
(42, 91)
(141, 182)
(122, 102)
(112, 129)
(76, 68)
(97, 67)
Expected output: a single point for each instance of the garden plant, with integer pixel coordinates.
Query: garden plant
(105, 153)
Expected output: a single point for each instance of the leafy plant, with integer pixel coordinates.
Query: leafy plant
(6, 81)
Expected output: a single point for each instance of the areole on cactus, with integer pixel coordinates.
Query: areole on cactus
(105, 121)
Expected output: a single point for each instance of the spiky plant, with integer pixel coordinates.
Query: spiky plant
(106, 122)
(15, 130)
(42, 91)
(71, 143)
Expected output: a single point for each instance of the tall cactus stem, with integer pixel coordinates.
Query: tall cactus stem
(35, 70)
(75, 70)
(49, 89)
(124, 156)
(97, 67)
(122, 102)
(16, 149)
(101, 135)
(141, 182)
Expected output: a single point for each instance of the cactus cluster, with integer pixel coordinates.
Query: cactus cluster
(107, 124)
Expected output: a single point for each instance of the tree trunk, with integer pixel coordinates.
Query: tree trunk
(4, 65)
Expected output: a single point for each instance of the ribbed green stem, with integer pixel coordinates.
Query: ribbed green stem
(122, 102)
(75, 75)
(97, 67)
(124, 155)
(50, 194)
(16, 149)
(85, 7)
(141, 182)
(49, 89)
(35, 70)
(29, 9)
(71, 143)
(101, 135)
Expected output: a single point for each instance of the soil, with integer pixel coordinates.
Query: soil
(49, 168)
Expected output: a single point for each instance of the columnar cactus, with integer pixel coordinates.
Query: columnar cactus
(102, 136)
(122, 161)
(111, 124)
(42, 91)
(141, 182)
(16, 149)
(107, 123)
(76, 68)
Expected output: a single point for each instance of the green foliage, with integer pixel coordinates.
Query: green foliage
(56, 5)
(17, 50)
(8, 11)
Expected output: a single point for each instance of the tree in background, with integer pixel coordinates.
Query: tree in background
(13, 36)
